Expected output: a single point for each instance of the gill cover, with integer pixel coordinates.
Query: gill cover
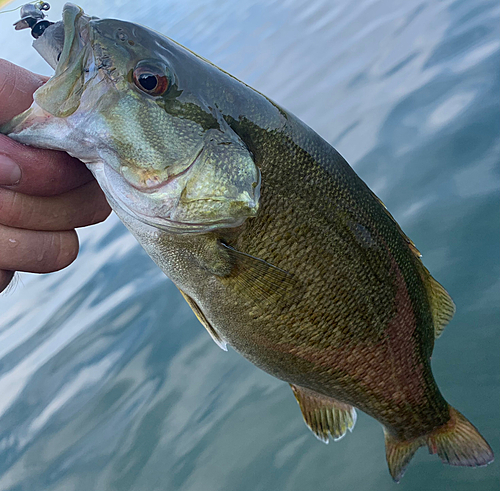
(223, 184)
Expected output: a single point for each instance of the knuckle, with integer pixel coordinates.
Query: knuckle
(7, 209)
(14, 211)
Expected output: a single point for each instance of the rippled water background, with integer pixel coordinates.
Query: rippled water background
(107, 380)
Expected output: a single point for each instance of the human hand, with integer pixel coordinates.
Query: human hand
(44, 194)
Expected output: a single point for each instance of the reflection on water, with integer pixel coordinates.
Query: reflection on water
(107, 380)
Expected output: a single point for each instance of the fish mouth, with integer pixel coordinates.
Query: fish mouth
(62, 40)
(67, 45)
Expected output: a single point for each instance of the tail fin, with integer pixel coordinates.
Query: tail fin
(399, 453)
(457, 443)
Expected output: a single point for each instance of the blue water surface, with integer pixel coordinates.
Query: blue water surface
(107, 380)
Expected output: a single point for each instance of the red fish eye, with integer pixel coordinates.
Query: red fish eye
(150, 80)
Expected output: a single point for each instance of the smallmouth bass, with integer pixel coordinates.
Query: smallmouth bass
(276, 244)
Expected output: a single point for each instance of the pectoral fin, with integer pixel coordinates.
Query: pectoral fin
(323, 415)
(201, 317)
(258, 279)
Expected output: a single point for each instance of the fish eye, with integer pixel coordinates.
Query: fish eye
(151, 79)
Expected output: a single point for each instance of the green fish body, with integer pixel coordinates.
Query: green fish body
(281, 250)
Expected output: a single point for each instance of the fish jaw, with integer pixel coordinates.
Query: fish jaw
(62, 94)
(39, 128)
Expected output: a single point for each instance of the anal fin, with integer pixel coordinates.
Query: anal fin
(201, 317)
(325, 417)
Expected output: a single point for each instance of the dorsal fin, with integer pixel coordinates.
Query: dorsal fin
(323, 415)
(201, 317)
(442, 306)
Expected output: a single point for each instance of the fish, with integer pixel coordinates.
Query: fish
(280, 249)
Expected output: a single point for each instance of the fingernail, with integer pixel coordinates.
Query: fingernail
(10, 172)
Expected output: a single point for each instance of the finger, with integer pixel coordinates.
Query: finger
(80, 207)
(42, 172)
(16, 89)
(5, 279)
(36, 252)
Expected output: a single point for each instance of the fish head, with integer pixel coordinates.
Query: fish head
(133, 105)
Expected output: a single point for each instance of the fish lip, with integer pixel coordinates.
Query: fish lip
(60, 37)
(71, 17)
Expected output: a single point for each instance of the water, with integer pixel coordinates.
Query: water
(107, 380)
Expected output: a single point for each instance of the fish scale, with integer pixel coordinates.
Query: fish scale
(254, 242)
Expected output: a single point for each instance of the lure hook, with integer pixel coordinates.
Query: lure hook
(33, 17)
